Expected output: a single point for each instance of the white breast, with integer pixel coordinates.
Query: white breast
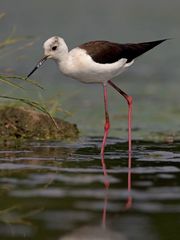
(81, 66)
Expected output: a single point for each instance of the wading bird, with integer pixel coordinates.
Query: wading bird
(97, 62)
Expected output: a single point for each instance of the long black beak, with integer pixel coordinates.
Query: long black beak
(39, 64)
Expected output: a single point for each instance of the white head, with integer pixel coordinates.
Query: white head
(54, 48)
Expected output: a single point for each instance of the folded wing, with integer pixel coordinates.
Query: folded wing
(109, 52)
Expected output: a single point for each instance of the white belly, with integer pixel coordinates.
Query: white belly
(80, 66)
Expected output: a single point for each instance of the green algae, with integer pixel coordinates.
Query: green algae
(18, 122)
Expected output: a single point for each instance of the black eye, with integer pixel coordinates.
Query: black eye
(54, 48)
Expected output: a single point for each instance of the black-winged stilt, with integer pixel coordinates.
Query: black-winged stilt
(97, 62)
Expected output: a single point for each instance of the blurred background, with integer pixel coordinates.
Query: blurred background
(49, 189)
(153, 80)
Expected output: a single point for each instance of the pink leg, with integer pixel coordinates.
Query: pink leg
(106, 130)
(129, 101)
(104, 213)
(129, 201)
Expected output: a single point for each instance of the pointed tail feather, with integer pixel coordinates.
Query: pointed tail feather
(137, 49)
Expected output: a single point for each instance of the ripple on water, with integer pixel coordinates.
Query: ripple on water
(65, 184)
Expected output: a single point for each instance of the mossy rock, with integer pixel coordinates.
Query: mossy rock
(26, 123)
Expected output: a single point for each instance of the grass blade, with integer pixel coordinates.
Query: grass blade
(34, 104)
(6, 77)
(5, 80)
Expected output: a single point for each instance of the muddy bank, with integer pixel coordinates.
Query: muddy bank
(26, 123)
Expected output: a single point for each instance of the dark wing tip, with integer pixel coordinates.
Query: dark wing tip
(157, 42)
(134, 50)
(163, 40)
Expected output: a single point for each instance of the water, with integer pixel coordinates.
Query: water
(50, 190)
(55, 190)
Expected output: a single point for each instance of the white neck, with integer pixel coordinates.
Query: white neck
(62, 54)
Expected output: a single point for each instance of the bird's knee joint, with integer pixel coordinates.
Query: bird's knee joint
(107, 126)
(130, 100)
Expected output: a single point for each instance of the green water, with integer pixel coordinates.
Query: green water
(53, 190)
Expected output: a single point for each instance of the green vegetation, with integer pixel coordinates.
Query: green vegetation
(49, 128)
(26, 123)
(11, 81)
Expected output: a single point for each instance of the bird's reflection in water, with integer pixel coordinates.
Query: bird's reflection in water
(128, 204)
(104, 233)
(129, 200)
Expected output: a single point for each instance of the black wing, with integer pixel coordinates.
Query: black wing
(108, 52)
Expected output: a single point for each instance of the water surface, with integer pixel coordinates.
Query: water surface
(54, 190)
